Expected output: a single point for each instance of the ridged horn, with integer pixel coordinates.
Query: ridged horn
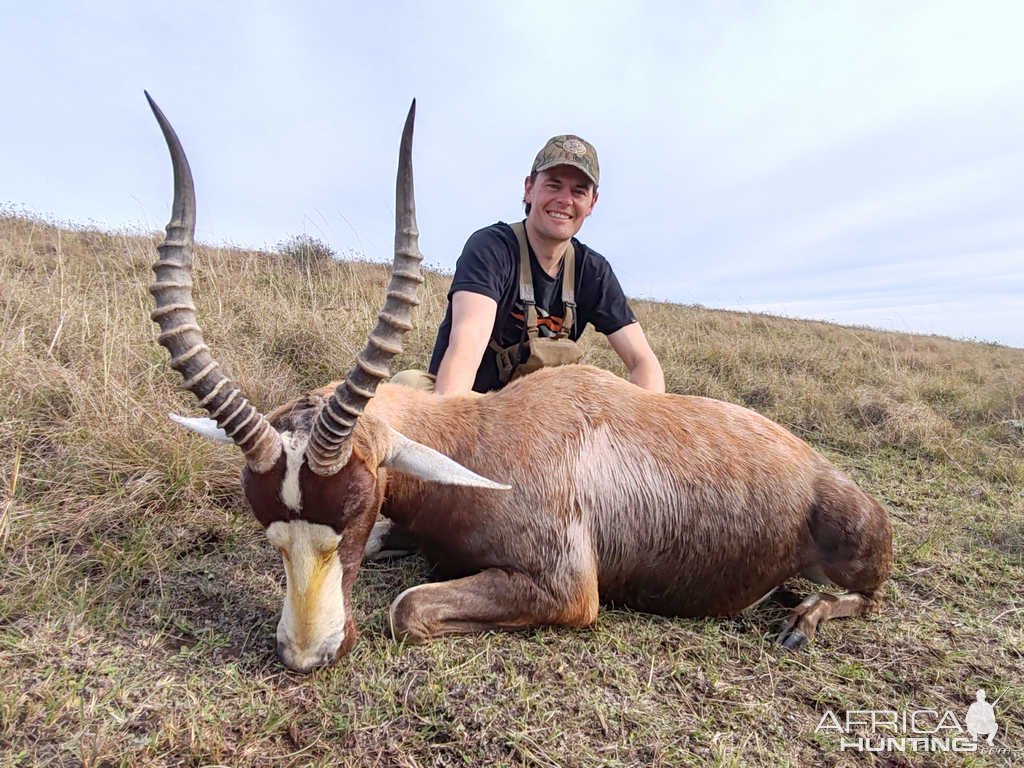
(179, 329)
(329, 446)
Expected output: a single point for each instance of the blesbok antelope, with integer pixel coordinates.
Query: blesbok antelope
(677, 505)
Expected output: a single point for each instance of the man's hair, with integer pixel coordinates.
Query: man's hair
(533, 179)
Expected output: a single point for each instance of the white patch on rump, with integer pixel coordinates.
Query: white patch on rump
(312, 625)
(295, 450)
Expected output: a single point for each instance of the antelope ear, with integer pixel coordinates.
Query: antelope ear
(206, 427)
(412, 458)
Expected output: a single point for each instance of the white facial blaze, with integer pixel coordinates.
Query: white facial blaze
(312, 624)
(294, 448)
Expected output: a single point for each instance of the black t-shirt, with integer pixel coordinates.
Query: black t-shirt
(489, 265)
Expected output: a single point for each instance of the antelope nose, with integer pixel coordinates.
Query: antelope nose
(308, 661)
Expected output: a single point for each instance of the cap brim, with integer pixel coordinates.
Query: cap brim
(556, 163)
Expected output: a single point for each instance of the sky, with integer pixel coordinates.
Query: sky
(855, 162)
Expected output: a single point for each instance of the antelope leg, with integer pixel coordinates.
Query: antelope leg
(490, 600)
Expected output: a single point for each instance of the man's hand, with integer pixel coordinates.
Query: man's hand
(472, 321)
(630, 344)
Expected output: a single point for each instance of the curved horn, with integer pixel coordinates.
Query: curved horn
(180, 333)
(329, 445)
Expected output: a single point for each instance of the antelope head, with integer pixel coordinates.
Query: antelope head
(311, 467)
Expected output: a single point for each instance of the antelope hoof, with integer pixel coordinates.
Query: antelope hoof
(407, 625)
(792, 639)
(409, 631)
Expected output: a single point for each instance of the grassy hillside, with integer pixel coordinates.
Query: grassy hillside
(138, 598)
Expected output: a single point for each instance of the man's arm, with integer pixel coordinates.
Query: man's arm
(630, 344)
(472, 320)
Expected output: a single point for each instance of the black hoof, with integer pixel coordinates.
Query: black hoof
(793, 640)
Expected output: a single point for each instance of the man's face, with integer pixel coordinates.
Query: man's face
(560, 199)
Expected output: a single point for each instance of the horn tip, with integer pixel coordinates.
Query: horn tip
(152, 103)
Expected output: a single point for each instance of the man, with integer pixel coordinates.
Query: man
(485, 310)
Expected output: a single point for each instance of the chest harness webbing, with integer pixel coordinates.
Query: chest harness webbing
(509, 358)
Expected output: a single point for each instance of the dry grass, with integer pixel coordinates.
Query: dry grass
(138, 598)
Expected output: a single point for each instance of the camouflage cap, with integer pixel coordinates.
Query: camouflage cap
(568, 150)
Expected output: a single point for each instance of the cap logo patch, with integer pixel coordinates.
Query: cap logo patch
(575, 147)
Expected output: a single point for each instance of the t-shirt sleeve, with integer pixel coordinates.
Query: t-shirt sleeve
(610, 310)
(482, 268)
